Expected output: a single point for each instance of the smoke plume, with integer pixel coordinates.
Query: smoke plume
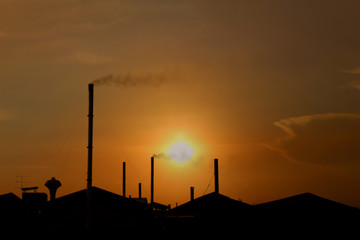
(159, 155)
(129, 80)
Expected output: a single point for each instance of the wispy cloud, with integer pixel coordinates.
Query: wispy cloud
(329, 138)
(354, 70)
(355, 83)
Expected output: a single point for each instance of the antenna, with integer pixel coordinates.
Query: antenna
(20, 179)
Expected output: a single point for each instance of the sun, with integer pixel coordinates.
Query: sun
(180, 152)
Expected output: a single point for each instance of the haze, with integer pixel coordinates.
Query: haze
(270, 88)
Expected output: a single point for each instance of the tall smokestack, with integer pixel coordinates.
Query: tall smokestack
(90, 148)
(124, 179)
(152, 180)
(139, 190)
(216, 172)
(90, 135)
(191, 193)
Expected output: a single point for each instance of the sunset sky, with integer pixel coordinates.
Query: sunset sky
(270, 88)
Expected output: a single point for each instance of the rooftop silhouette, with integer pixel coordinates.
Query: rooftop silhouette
(303, 213)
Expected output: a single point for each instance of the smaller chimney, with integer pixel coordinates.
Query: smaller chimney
(124, 179)
(152, 180)
(139, 190)
(191, 193)
(216, 173)
(52, 185)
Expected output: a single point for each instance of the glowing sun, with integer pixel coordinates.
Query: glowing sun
(180, 152)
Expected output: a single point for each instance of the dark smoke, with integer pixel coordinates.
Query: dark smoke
(131, 80)
(159, 155)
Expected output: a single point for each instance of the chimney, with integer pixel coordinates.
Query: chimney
(90, 135)
(90, 148)
(152, 180)
(191, 193)
(52, 185)
(139, 190)
(124, 179)
(216, 172)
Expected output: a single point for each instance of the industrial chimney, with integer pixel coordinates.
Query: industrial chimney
(124, 179)
(90, 135)
(191, 193)
(216, 173)
(90, 148)
(152, 180)
(52, 185)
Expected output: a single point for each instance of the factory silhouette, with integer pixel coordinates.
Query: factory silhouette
(94, 210)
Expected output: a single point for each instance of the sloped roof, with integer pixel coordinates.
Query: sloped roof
(307, 210)
(102, 202)
(212, 204)
(108, 210)
(8, 198)
(305, 201)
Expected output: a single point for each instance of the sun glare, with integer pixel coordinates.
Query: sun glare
(180, 152)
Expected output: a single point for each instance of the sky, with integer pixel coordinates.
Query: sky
(270, 88)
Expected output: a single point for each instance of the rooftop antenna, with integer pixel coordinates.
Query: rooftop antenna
(20, 179)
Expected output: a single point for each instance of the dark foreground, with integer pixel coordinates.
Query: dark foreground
(303, 215)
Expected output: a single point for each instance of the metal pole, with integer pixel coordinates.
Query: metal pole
(124, 179)
(216, 172)
(90, 135)
(90, 148)
(152, 180)
(191, 193)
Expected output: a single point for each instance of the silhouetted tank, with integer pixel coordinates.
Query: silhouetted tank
(52, 185)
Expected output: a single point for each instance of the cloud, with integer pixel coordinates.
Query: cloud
(322, 139)
(355, 83)
(353, 71)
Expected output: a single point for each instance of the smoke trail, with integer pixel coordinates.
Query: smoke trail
(131, 80)
(159, 155)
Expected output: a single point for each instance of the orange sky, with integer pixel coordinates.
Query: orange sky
(270, 88)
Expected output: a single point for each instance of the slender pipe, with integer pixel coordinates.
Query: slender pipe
(152, 179)
(191, 193)
(90, 135)
(124, 179)
(90, 148)
(216, 172)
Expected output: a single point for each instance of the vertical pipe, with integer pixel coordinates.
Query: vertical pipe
(152, 180)
(191, 193)
(216, 172)
(124, 179)
(139, 190)
(90, 135)
(90, 148)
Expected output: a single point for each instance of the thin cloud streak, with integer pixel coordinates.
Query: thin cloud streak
(320, 139)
